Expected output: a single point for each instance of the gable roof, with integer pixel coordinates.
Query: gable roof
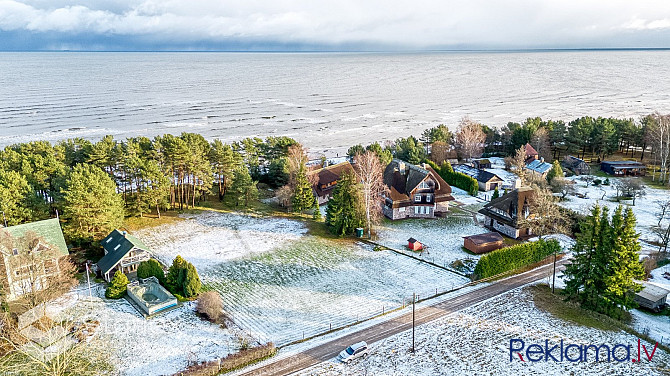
(530, 151)
(510, 204)
(48, 229)
(539, 166)
(624, 164)
(402, 178)
(481, 175)
(652, 292)
(328, 175)
(117, 245)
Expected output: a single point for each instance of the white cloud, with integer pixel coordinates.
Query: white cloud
(513, 23)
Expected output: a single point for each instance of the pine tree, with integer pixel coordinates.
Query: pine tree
(555, 172)
(243, 188)
(344, 212)
(303, 196)
(117, 287)
(91, 207)
(496, 194)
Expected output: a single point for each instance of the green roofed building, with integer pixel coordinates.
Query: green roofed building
(30, 254)
(122, 252)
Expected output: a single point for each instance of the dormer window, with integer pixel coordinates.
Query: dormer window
(417, 198)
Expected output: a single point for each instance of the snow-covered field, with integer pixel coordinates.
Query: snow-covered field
(159, 346)
(645, 207)
(279, 284)
(476, 341)
(443, 236)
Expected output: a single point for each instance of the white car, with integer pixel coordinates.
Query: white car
(354, 351)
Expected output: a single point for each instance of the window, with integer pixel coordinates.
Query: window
(416, 210)
(428, 198)
(117, 247)
(417, 198)
(15, 251)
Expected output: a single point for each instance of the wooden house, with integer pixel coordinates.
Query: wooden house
(483, 243)
(502, 214)
(414, 244)
(651, 297)
(482, 163)
(414, 191)
(29, 256)
(531, 153)
(487, 181)
(324, 180)
(576, 165)
(539, 167)
(123, 252)
(624, 168)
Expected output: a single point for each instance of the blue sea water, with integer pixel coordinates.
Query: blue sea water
(328, 101)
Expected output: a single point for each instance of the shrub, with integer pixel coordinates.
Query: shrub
(210, 305)
(514, 257)
(151, 268)
(117, 287)
(183, 279)
(457, 179)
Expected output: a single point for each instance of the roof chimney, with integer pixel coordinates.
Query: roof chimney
(542, 159)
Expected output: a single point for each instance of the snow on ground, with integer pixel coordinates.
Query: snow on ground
(158, 346)
(565, 241)
(279, 284)
(645, 207)
(475, 341)
(443, 236)
(210, 238)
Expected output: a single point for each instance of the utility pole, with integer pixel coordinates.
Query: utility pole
(413, 309)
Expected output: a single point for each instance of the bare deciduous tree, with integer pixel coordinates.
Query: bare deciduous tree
(518, 165)
(369, 173)
(470, 139)
(662, 227)
(439, 152)
(659, 138)
(210, 305)
(541, 141)
(546, 217)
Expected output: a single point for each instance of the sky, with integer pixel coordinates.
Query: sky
(326, 25)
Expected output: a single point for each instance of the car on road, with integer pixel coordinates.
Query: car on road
(357, 350)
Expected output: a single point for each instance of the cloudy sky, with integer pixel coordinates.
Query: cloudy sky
(331, 25)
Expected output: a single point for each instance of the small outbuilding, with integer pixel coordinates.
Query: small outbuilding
(651, 297)
(483, 243)
(482, 163)
(414, 244)
(623, 168)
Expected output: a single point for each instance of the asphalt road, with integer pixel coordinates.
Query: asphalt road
(399, 324)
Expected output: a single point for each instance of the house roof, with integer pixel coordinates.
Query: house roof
(328, 175)
(624, 164)
(483, 161)
(482, 239)
(539, 166)
(481, 175)
(48, 229)
(530, 151)
(509, 204)
(652, 292)
(117, 245)
(402, 178)
(412, 240)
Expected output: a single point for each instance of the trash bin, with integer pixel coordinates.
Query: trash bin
(359, 232)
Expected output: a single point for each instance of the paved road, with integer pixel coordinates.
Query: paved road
(399, 324)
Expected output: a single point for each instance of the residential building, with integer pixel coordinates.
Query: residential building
(539, 167)
(28, 267)
(325, 179)
(502, 214)
(623, 168)
(487, 181)
(531, 153)
(414, 191)
(482, 163)
(576, 165)
(123, 252)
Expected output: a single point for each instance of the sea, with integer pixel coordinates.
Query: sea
(327, 101)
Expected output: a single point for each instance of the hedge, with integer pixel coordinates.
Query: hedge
(457, 179)
(514, 257)
(231, 362)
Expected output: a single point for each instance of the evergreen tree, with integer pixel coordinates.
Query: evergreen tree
(117, 287)
(18, 200)
(303, 196)
(626, 266)
(446, 168)
(151, 268)
(91, 205)
(172, 281)
(190, 281)
(579, 274)
(243, 187)
(496, 193)
(344, 212)
(555, 172)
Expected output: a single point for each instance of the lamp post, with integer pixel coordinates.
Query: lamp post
(413, 309)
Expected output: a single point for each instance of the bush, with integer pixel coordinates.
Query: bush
(514, 257)
(117, 287)
(151, 268)
(183, 279)
(210, 305)
(231, 362)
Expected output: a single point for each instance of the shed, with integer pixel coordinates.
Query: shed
(651, 297)
(482, 163)
(622, 168)
(483, 243)
(414, 244)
